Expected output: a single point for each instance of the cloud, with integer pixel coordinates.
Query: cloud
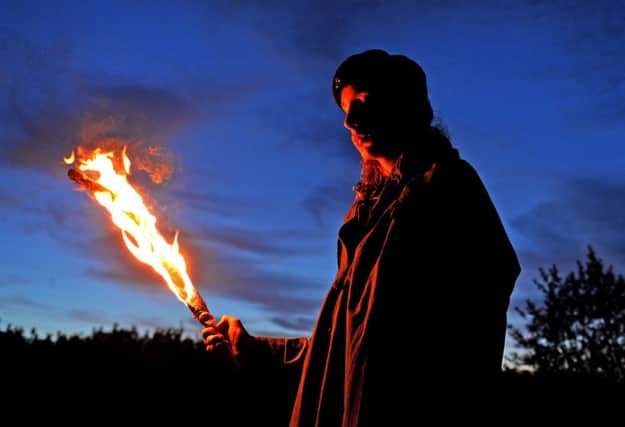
(236, 277)
(558, 231)
(210, 202)
(256, 242)
(591, 35)
(328, 198)
(314, 121)
(135, 114)
(211, 270)
(23, 302)
(600, 209)
(275, 291)
(8, 200)
(109, 260)
(51, 105)
(90, 317)
(13, 280)
(547, 227)
(237, 263)
(585, 212)
(296, 28)
(295, 324)
(295, 34)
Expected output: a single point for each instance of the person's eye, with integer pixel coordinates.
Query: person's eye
(357, 103)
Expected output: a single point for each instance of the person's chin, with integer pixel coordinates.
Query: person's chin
(362, 140)
(374, 153)
(372, 149)
(370, 154)
(365, 150)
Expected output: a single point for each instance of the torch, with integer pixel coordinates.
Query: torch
(105, 176)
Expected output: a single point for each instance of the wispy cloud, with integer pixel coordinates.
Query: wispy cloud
(86, 316)
(591, 37)
(227, 275)
(51, 105)
(256, 242)
(314, 120)
(234, 262)
(326, 199)
(13, 280)
(9, 200)
(238, 278)
(295, 324)
(211, 202)
(585, 212)
(23, 302)
(139, 115)
(301, 22)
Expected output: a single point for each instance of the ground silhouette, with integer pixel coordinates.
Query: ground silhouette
(122, 373)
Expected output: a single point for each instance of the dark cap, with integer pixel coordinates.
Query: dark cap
(397, 74)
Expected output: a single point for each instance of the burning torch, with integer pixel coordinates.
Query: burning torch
(106, 178)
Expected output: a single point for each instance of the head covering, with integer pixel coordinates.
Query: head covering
(397, 75)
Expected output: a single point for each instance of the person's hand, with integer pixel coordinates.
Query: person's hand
(228, 334)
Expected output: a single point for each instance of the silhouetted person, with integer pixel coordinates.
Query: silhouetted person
(419, 302)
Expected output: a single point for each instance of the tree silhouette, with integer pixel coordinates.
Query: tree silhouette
(580, 327)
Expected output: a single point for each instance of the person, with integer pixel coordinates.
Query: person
(425, 267)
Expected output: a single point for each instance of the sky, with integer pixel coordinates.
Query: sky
(258, 167)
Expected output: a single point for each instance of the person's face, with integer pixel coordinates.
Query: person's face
(371, 122)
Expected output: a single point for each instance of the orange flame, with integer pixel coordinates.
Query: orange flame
(70, 159)
(138, 226)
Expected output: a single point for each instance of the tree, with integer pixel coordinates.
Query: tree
(580, 326)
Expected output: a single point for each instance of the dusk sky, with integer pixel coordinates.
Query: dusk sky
(237, 94)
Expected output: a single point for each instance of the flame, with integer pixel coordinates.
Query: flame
(132, 217)
(69, 160)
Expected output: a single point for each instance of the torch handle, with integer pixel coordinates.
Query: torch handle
(202, 313)
(207, 319)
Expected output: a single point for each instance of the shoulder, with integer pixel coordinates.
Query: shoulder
(447, 187)
(455, 170)
(456, 181)
(351, 213)
(447, 173)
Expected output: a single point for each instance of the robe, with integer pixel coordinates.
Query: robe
(418, 305)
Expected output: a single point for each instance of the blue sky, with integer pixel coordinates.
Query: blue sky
(238, 95)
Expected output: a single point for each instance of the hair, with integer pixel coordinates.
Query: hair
(396, 76)
(433, 143)
(403, 84)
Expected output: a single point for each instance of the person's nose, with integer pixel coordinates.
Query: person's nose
(352, 120)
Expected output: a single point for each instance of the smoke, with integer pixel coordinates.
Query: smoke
(156, 162)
